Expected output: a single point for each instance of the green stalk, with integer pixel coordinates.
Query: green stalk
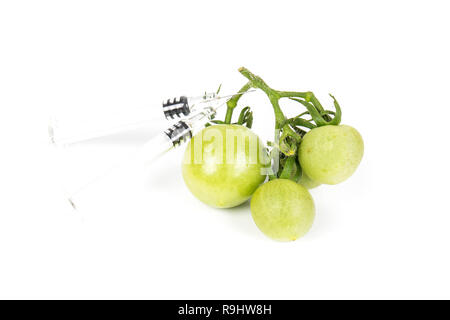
(274, 97)
(232, 103)
(256, 82)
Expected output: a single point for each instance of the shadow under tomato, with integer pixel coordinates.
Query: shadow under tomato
(240, 220)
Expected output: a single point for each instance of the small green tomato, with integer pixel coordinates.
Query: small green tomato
(331, 154)
(224, 164)
(283, 210)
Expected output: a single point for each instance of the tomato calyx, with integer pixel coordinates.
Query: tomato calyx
(320, 116)
(291, 169)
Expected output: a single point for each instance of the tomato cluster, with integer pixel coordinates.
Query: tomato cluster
(226, 164)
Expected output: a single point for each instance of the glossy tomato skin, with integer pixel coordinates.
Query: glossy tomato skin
(283, 210)
(331, 154)
(219, 181)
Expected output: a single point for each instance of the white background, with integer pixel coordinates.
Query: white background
(384, 233)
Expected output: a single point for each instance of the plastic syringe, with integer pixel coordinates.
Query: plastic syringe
(173, 136)
(76, 128)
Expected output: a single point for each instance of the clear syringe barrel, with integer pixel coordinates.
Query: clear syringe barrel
(69, 129)
(174, 136)
(73, 128)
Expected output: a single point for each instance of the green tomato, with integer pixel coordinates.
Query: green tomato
(224, 164)
(307, 182)
(283, 210)
(331, 154)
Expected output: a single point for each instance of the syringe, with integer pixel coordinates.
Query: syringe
(175, 135)
(66, 130)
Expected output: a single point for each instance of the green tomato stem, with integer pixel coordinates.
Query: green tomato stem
(300, 122)
(232, 103)
(290, 94)
(280, 119)
(257, 82)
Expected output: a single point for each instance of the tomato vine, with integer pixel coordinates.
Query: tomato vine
(288, 131)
